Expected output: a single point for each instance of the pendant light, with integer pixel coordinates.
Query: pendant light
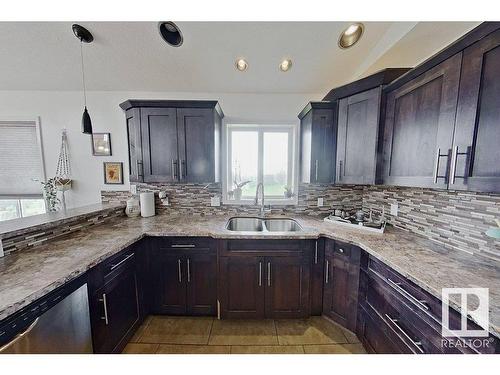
(85, 37)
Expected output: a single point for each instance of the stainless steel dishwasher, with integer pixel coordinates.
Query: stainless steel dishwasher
(56, 323)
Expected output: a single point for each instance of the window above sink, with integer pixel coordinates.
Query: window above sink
(260, 154)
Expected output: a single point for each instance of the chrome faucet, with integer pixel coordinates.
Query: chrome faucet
(260, 187)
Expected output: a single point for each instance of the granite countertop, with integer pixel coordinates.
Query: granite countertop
(30, 274)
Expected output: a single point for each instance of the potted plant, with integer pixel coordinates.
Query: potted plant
(237, 189)
(288, 193)
(50, 194)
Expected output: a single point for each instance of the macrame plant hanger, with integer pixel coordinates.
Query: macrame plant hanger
(63, 171)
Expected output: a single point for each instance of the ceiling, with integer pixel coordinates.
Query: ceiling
(131, 56)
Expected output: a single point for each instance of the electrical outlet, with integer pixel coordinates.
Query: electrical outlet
(215, 201)
(133, 189)
(394, 209)
(320, 202)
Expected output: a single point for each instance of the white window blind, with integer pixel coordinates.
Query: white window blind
(20, 158)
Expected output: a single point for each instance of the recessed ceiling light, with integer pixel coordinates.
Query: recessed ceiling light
(170, 33)
(241, 65)
(351, 35)
(286, 65)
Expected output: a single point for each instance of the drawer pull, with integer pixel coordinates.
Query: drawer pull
(417, 344)
(341, 251)
(182, 246)
(113, 266)
(398, 287)
(326, 271)
(316, 253)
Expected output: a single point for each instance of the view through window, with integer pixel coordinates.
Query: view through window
(260, 153)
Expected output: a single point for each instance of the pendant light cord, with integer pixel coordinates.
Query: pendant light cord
(83, 75)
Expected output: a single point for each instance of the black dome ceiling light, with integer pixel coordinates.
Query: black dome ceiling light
(170, 33)
(84, 36)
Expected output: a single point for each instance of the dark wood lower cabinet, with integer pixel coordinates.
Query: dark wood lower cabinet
(256, 281)
(115, 307)
(241, 286)
(341, 282)
(185, 277)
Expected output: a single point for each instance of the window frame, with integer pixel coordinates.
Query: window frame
(293, 158)
(36, 121)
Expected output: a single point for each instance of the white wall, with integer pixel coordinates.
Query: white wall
(63, 109)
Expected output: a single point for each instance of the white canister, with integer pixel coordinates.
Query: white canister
(147, 204)
(133, 208)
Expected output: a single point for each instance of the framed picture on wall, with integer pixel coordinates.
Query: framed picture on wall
(113, 173)
(101, 144)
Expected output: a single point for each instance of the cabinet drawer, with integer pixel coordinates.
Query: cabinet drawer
(183, 243)
(266, 247)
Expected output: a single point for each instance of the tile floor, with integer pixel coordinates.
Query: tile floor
(206, 335)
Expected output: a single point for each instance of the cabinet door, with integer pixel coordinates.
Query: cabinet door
(322, 139)
(357, 137)
(419, 125)
(340, 298)
(170, 284)
(196, 144)
(476, 148)
(201, 279)
(135, 162)
(287, 287)
(317, 277)
(159, 144)
(241, 286)
(116, 310)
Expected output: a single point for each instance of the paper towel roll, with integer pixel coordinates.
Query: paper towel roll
(147, 204)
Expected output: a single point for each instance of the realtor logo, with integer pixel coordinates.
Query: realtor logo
(479, 312)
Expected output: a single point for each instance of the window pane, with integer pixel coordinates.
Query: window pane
(8, 209)
(275, 163)
(244, 160)
(32, 207)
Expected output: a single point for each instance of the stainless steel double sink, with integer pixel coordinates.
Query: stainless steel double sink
(256, 224)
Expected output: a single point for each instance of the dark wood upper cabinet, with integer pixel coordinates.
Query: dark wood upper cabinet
(419, 125)
(317, 142)
(340, 294)
(476, 147)
(358, 125)
(173, 140)
(160, 144)
(135, 163)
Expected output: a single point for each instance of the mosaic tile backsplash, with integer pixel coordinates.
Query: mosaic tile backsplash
(454, 219)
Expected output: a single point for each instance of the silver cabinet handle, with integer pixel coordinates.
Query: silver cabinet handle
(316, 253)
(397, 286)
(340, 170)
(268, 273)
(326, 272)
(316, 173)
(179, 270)
(188, 271)
(417, 344)
(436, 167)
(341, 251)
(174, 167)
(260, 273)
(113, 266)
(453, 167)
(182, 170)
(182, 245)
(140, 169)
(105, 304)
(20, 335)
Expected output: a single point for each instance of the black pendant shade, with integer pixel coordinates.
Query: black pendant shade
(84, 36)
(86, 122)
